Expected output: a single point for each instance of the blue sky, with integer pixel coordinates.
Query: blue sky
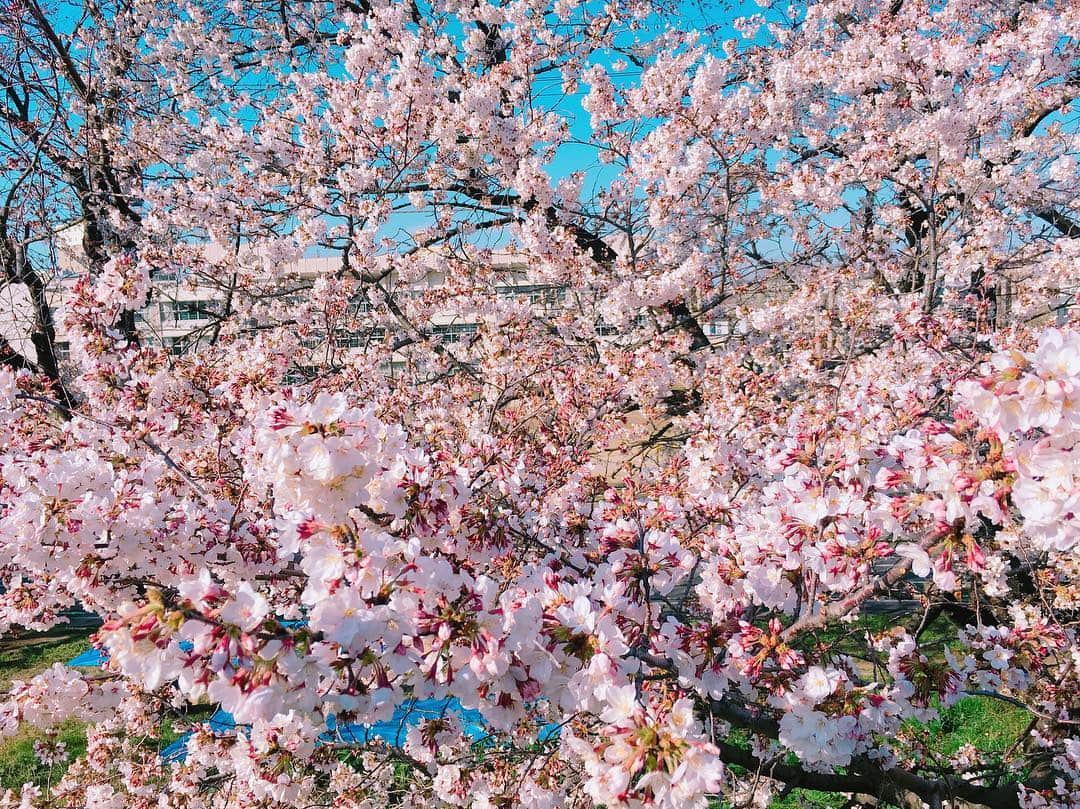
(709, 16)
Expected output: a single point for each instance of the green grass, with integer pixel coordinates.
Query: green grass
(987, 724)
(19, 765)
(990, 726)
(23, 657)
(808, 799)
(798, 799)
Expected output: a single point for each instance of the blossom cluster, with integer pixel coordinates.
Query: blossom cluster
(647, 754)
(1031, 404)
(715, 471)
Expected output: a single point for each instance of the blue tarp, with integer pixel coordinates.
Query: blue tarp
(411, 712)
(220, 722)
(90, 658)
(392, 731)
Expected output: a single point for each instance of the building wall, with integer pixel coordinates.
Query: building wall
(179, 313)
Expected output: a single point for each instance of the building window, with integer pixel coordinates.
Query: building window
(170, 276)
(452, 333)
(359, 305)
(537, 294)
(177, 311)
(546, 296)
(718, 328)
(300, 374)
(62, 350)
(358, 338)
(639, 321)
(178, 346)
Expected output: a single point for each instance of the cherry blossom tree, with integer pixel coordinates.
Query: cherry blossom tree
(667, 568)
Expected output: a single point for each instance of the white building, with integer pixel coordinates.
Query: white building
(181, 315)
